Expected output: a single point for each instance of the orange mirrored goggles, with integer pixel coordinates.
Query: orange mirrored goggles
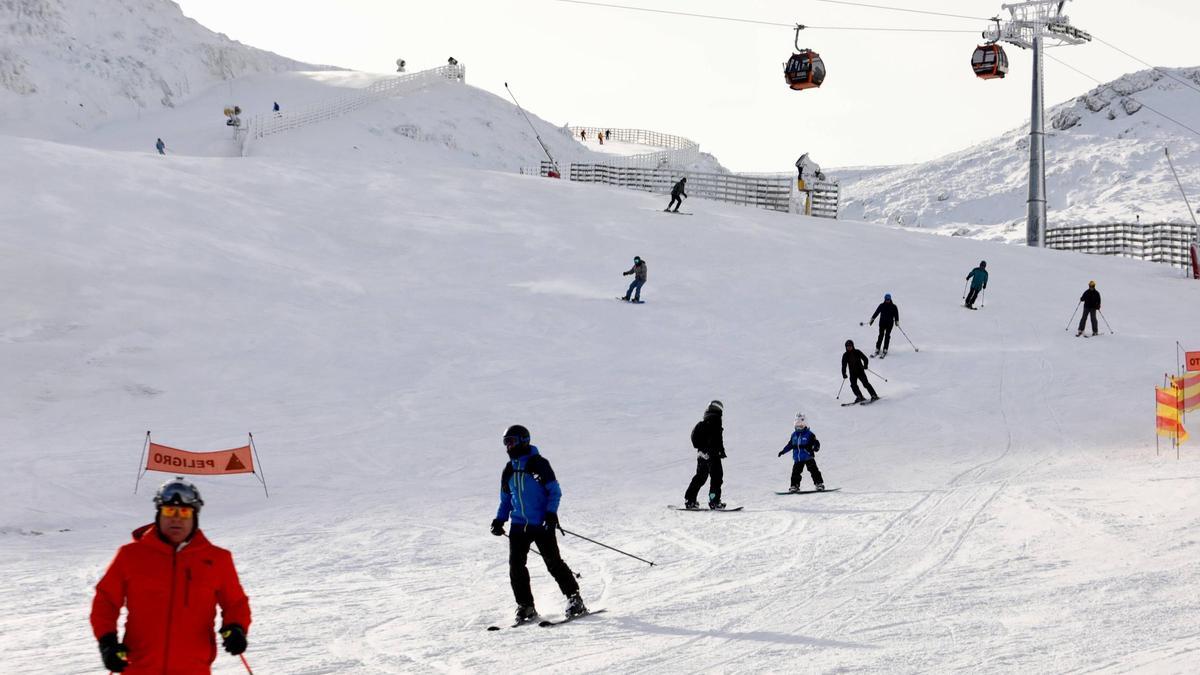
(169, 511)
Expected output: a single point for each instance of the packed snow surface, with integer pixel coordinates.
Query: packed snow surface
(378, 324)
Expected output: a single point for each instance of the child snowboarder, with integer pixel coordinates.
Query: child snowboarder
(804, 446)
(639, 279)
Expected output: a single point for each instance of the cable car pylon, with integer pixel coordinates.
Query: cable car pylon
(1029, 25)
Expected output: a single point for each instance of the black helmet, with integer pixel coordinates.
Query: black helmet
(983, 263)
(516, 436)
(717, 406)
(849, 343)
(178, 491)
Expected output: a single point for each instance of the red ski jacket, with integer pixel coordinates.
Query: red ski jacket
(172, 597)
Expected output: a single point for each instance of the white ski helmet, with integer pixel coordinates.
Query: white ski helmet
(801, 421)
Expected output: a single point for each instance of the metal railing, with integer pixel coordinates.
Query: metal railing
(677, 152)
(1168, 243)
(775, 192)
(269, 124)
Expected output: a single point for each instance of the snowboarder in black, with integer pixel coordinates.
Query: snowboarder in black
(707, 438)
(888, 314)
(675, 193)
(978, 278)
(639, 279)
(856, 362)
(804, 446)
(1091, 305)
(529, 493)
(160, 146)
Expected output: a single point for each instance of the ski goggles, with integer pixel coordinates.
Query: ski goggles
(181, 511)
(514, 441)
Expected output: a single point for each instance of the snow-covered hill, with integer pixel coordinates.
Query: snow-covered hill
(377, 325)
(1105, 163)
(70, 65)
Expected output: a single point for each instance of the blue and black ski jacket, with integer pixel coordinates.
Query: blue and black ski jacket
(803, 445)
(528, 490)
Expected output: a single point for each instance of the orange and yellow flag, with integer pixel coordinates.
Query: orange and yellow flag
(1189, 386)
(1169, 406)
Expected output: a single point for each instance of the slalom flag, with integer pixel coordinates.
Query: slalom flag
(1169, 404)
(1189, 386)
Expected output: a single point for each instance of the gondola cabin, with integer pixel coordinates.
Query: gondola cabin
(805, 70)
(989, 62)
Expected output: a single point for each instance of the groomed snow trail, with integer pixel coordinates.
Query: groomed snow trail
(378, 325)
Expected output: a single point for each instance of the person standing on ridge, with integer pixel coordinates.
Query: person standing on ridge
(162, 147)
(708, 439)
(170, 580)
(978, 278)
(888, 314)
(856, 363)
(804, 446)
(530, 495)
(675, 193)
(1091, 305)
(639, 279)
(275, 108)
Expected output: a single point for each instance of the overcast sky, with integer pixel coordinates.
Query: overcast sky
(889, 98)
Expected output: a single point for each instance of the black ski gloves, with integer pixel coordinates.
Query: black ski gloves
(498, 528)
(113, 653)
(781, 452)
(234, 638)
(551, 522)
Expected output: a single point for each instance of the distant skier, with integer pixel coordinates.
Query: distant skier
(856, 362)
(676, 192)
(530, 494)
(275, 108)
(639, 279)
(804, 446)
(979, 279)
(707, 438)
(888, 314)
(583, 135)
(608, 134)
(600, 137)
(1091, 305)
(162, 147)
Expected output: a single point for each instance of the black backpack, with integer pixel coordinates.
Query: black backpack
(698, 435)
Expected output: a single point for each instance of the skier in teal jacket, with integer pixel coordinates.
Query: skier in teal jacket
(978, 278)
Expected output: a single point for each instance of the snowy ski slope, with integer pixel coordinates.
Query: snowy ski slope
(377, 325)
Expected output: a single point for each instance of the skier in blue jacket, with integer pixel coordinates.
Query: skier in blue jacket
(804, 446)
(529, 495)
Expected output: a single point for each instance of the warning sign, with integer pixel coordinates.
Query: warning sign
(1191, 361)
(174, 460)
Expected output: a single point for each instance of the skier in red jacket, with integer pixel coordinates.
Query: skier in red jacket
(170, 579)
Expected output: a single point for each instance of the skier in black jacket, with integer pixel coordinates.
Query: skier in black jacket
(675, 192)
(888, 314)
(1091, 305)
(856, 362)
(707, 438)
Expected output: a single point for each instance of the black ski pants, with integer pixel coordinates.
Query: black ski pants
(974, 293)
(885, 336)
(705, 469)
(855, 378)
(798, 471)
(1088, 312)
(519, 540)
(676, 202)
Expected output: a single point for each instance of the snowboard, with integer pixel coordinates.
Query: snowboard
(547, 623)
(632, 302)
(705, 508)
(808, 492)
(678, 213)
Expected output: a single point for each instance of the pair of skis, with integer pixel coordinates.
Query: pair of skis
(676, 507)
(546, 623)
(865, 401)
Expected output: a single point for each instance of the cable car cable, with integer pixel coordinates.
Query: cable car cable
(903, 9)
(764, 23)
(1143, 104)
(1182, 81)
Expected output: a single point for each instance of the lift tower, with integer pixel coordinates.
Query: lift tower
(1029, 26)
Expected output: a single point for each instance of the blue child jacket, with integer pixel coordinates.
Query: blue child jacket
(803, 444)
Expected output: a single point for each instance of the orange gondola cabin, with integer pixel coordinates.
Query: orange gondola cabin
(805, 70)
(989, 62)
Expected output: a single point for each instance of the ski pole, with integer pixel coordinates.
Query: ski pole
(964, 290)
(246, 664)
(1110, 330)
(1072, 319)
(839, 396)
(877, 375)
(983, 299)
(907, 338)
(607, 546)
(539, 553)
